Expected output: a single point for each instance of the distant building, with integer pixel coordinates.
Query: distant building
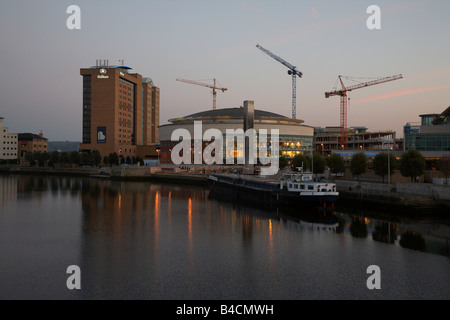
(431, 134)
(294, 137)
(120, 110)
(326, 140)
(8, 143)
(30, 142)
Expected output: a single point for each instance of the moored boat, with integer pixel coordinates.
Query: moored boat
(293, 188)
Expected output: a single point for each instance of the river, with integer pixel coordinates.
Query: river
(142, 240)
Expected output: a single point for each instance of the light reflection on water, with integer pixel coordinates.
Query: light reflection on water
(162, 241)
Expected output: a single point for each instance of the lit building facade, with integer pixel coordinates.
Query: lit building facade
(8, 143)
(294, 137)
(120, 110)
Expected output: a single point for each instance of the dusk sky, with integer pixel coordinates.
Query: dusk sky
(41, 86)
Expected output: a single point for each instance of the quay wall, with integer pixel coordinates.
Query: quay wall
(411, 195)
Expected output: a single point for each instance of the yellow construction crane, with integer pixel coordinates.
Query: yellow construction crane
(213, 87)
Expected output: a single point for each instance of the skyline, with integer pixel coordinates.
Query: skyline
(200, 40)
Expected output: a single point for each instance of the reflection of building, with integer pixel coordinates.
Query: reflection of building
(358, 138)
(8, 143)
(8, 190)
(294, 137)
(120, 110)
(432, 134)
(30, 142)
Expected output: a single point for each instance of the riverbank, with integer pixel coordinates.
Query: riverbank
(423, 197)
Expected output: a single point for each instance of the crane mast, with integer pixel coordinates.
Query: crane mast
(293, 71)
(213, 87)
(343, 101)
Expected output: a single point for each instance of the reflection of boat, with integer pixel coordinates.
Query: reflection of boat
(319, 226)
(297, 188)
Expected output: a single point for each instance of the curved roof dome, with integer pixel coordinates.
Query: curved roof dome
(233, 113)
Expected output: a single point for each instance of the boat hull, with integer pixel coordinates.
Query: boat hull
(267, 194)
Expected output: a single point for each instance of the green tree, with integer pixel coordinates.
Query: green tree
(64, 158)
(412, 164)
(85, 158)
(96, 158)
(75, 157)
(45, 156)
(54, 158)
(336, 163)
(38, 158)
(380, 164)
(283, 162)
(301, 160)
(319, 164)
(113, 158)
(358, 164)
(29, 157)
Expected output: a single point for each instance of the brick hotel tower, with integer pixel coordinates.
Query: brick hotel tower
(120, 110)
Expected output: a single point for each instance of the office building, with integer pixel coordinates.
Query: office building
(8, 143)
(120, 110)
(431, 134)
(30, 142)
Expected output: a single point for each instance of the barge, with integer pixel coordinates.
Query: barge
(290, 189)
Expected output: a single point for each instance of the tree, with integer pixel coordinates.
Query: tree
(45, 156)
(318, 164)
(54, 158)
(444, 167)
(412, 164)
(301, 160)
(64, 158)
(113, 158)
(75, 157)
(283, 162)
(336, 163)
(85, 158)
(380, 164)
(37, 156)
(96, 158)
(358, 164)
(29, 157)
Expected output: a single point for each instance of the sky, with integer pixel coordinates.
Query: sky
(41, 86)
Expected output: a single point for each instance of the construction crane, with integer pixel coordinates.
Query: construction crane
(213, 87)
(343, 94)
(292, 71)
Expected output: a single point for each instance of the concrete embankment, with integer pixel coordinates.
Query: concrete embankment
(415, 196)
(155, 174)
(49, 171)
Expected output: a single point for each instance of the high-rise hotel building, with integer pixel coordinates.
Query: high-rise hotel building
(120, 110)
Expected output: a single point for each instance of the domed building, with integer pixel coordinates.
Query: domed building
(294, 136)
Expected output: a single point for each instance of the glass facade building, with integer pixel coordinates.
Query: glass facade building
(432, 134)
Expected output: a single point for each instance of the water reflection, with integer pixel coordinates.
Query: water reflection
(111, 206)
(163, 241)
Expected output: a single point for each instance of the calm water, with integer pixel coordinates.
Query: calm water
(157, 241)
